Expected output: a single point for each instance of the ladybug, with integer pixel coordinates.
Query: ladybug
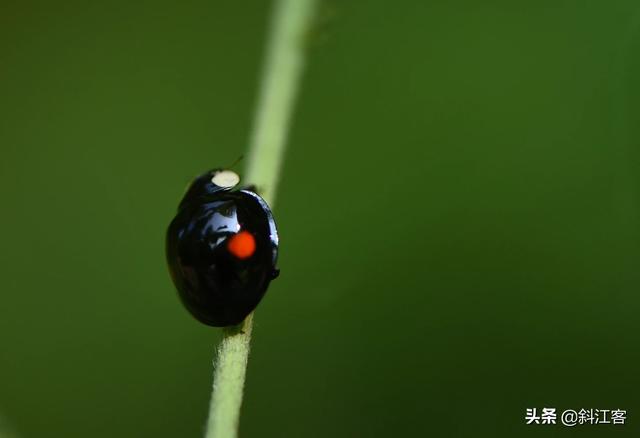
(222, 248)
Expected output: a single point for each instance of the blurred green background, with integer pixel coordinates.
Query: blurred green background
(458, 216)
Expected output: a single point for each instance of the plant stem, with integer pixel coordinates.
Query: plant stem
(284, 63)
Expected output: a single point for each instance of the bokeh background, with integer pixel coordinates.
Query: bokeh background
(458, 215)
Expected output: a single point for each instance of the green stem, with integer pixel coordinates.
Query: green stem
(279, 85)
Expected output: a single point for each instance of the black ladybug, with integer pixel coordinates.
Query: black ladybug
(222, 248)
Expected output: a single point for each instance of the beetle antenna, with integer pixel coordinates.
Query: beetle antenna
(235, 163)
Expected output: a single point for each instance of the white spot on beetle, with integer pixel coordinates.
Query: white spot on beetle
(225, 179)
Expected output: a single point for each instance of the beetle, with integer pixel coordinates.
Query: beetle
(221, 249)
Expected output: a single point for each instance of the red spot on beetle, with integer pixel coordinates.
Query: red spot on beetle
(242, 245)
